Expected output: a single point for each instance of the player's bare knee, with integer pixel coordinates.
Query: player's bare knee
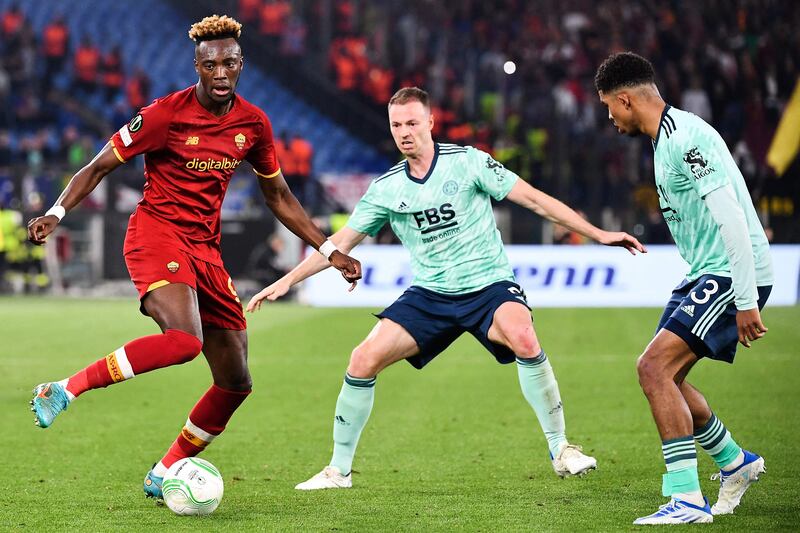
(648, 371)
(523, 344)
(364, 362)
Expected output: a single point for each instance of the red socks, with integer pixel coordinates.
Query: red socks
(137, 357)
(207, 420)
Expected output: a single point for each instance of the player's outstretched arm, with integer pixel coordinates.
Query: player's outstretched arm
(78, 188)
(289, 211)
(556, 211)
(345, 240)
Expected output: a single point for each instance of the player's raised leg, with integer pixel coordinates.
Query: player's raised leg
(226, 353)
(387, 343)
(664, 364)
(738, 468)
(174, 307)
(512, 327)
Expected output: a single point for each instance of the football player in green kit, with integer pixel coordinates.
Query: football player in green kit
(438, 202)
(711, 216)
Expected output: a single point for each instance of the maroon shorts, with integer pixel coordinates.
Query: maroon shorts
(151, 268)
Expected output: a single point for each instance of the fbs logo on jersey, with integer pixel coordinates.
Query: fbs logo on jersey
(697, 163)
(173, 266)
(436, 219)
(240, 139)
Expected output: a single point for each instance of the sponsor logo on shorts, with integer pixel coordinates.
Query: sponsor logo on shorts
(173, 266)
(240, 139)
(688, 309)
(113, 368)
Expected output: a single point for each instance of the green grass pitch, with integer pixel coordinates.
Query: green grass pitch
(454, 447)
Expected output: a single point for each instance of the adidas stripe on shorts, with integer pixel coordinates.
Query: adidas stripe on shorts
(703, 314)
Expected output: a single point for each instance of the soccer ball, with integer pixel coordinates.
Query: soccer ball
(192, 486)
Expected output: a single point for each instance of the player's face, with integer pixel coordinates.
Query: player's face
(411, 125)
(620, 112)
(218, 63)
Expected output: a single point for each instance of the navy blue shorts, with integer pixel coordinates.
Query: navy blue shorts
(702, 313)
(435, 320)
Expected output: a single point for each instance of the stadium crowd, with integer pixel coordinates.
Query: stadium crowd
(733, 63)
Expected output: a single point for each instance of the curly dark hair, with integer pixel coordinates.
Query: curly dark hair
(624, 69)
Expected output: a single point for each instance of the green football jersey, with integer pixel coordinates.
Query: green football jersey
(691, 159)
(445, 219)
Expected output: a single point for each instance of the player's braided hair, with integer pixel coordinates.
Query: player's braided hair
(215, 27)
(624, 69)
(410, 94)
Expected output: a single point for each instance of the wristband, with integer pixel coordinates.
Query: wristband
(57, 211)
(327, 249)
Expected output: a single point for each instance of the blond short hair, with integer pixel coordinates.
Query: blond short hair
(215, 27)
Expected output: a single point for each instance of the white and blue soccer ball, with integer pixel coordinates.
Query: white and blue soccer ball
(192, 486)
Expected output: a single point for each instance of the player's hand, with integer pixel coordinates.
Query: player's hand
(620, 238)
(349, 267)
(40, 227)
(271, 293)
(749, 326)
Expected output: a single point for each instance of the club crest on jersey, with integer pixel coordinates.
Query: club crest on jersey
(697, 163)
(240, 139)
(173, 266)
(135, 124)
(450, 188)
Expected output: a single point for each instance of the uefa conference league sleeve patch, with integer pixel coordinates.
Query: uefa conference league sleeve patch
(131, 127)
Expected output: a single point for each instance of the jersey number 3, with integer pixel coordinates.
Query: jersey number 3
(711, 288)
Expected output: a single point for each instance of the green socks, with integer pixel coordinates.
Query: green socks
(540, 388)
(716, 440)
(681, 479)
(352, 411)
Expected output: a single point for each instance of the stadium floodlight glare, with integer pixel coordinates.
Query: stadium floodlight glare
(509, 67)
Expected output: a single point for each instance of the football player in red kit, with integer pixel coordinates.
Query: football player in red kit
(192, 140)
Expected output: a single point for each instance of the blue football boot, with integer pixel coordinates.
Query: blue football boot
(49, 399)
(152, 486)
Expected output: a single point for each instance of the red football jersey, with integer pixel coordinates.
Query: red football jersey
(190, 156)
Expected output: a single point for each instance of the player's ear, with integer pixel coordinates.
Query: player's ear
(430, 121)
(625, 99)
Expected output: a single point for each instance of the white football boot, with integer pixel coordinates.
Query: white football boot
(678, 512)
(571, 461)
(732, 485)
(329, 478)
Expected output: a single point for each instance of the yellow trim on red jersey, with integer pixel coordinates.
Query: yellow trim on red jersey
(155, 285)
(116, 153)
(260, 175)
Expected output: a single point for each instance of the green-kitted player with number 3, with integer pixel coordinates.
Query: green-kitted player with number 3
(709, 211)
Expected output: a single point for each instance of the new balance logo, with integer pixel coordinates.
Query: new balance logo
(340, 420)
(402, 206)
(688, 309)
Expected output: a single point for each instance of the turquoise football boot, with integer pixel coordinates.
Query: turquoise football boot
(49, 399)
(152, 486)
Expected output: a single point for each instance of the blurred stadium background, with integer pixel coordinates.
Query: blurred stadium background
(511, 77)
